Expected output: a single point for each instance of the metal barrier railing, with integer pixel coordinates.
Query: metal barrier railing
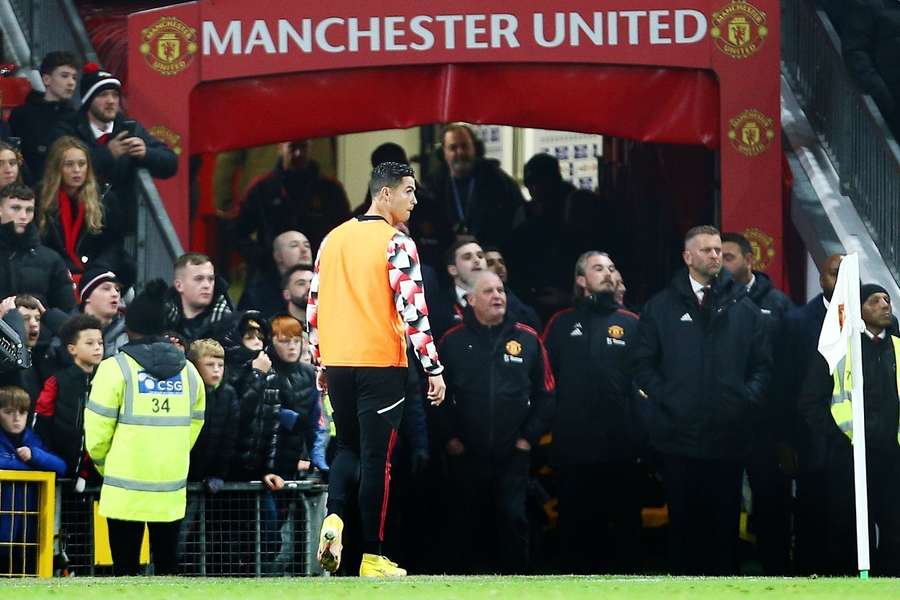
(156, 244)
(852, 130)
(51, 25)
(27, 499)
(242, 531)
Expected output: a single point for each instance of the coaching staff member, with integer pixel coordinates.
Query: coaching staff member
(366, 300)
(703, 364)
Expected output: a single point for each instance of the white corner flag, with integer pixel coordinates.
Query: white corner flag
(841, 330)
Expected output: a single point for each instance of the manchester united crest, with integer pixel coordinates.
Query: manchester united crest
(615, 332)
(168, 137)
(763, 247)
(513, 348)
(739, 29)
(751, 132)
(169, 45)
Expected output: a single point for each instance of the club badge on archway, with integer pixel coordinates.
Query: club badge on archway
(763, 247)
(739, 29)
(513, 348)
(168, 137)
(169, 45)
(751, 132)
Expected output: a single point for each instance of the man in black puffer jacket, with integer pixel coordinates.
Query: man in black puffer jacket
(595, 431)
(702, 363)
(26, 265)
(501, 392)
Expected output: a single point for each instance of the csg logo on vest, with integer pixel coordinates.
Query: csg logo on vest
(148, 384)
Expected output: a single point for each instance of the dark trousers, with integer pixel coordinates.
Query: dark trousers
(883, 481)
(125, 545)
(488, 520)
(704, 499)
(368, 407)
(599, 518)
(771, 511)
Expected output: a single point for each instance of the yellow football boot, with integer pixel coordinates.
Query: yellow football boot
(330, 545)
(373, 565)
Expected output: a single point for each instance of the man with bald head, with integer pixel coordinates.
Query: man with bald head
(501, 400)
(264, 291)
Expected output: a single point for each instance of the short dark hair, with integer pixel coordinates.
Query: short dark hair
(27, 301)
(736, 238)
(388, 174)
(191, 258)
(59, 58)
(389, 152)
(16, 190)
(487, 249)
(461, 241)
(70, 330)
(700, 230)
(287, 276)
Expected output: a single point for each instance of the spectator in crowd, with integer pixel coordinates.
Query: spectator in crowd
(32, 311)
(870, 43)
(197, 300)
(472, 194)
(264, 290)
(295, 290)
(27, 266)
(144, 414)
(295, 196)
(212, 455)
(20, 450)
(701, 362)
(495, 263)
(796, 351)
(595, 434)
(772, 423)
(118, 145)
(619, 293)
(302, 437)
(826, 406)
(501, 400)
(465, 263)
(35, 121)
(100, 293)
(76, 220)
(10, 165)
(60, 406)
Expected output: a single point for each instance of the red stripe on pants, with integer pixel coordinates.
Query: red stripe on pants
(392, 441)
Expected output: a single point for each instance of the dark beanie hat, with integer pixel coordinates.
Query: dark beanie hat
(146, 314)
(94, 80)
(92, 278)
(868, 289)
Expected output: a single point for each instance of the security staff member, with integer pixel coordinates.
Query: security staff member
(144, 414)
(826, 405)
(594, 430)
(502, 399)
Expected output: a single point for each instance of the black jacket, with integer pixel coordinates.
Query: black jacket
(703, 376)
(35, 123)
(499, 386)
(257, 438)
(285, 201)
(588, 348)
(870, 43)
(445, 311)
(297, 392)
(28, 267)
(204, 324)
(263, 293)
(60, 419)
(213, 452)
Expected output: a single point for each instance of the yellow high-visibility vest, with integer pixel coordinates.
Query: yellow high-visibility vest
(842, 393)
(139, 431)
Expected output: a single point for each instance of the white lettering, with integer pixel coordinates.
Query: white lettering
(417, 27)
(449, 22)
(322, 35)
(354, 33)
(633, 17)
(657, 27)
(578, 25)
(473, 30)
(681, 17)
(391, 33)
(612, 28)
(286, 31)
(259, 36)
(504, 26)
(232, 37)
(559, 33)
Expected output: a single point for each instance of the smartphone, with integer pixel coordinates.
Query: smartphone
(129, 125)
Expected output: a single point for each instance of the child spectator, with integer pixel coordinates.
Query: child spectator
(302, 435)
(60, 406)
(212, 454)
(10, 165)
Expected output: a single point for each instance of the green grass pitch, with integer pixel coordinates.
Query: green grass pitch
(454, 588)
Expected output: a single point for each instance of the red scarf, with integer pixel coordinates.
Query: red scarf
(71, 230)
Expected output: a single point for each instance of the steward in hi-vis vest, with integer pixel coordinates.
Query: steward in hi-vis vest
(144, 414)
